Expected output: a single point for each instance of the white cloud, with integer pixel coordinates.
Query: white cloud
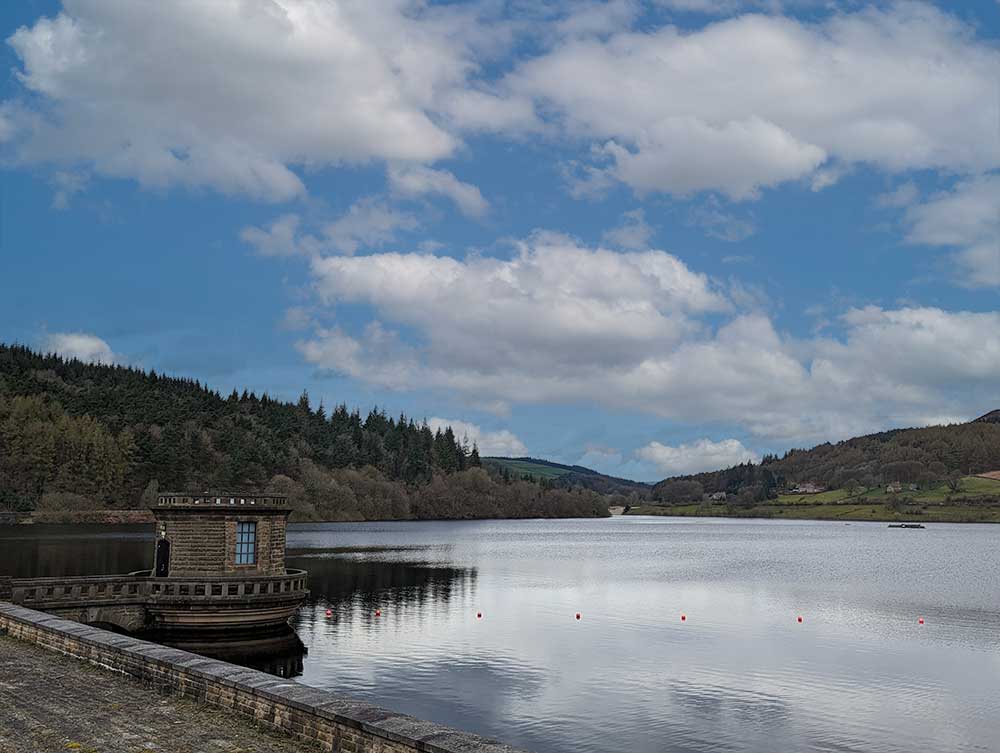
(710, 7)
(754, 101)
(634, 232)
(236, 96)
(417, 180)
(82, 346)
(501, 443)
(280, 238)
(701, 455)
(966, 218)
(597, 18)
(552, 302)
(718, 223)
(368, 223)
(172, 96)
(827, 176)
(631, 331)
(901, 196)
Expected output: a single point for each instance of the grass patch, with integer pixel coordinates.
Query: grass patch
(833, 495)
(932, 508)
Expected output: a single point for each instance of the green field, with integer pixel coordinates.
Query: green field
(972, 487)
(834, 495)
(977, 503)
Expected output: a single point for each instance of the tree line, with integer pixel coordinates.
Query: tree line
(76, 435)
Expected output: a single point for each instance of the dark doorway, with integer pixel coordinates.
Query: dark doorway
(162, 566)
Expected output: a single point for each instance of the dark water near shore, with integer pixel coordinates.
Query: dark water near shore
(740, 674)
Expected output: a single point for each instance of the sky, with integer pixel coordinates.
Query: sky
(649, 238)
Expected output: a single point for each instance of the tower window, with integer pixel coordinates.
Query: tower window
(246, 543)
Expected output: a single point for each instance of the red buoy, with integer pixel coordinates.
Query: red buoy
(378, 612)
(577, 615)
(799, 618)
(329, 613)
(683, 617)
(479, 615)
(920, 621)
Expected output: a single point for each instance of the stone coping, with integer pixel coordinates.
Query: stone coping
(294, 707)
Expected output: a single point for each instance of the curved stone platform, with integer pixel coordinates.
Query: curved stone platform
(137, 601)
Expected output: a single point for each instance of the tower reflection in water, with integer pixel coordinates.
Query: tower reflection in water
(347, 581)
(277, 652)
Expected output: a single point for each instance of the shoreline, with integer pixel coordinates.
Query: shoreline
(854, 513)
(143, 517)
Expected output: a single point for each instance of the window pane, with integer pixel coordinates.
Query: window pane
(246, 539)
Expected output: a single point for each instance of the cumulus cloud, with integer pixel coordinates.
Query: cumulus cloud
(966, 218)
(368, 223)
(169, 95)
(719, 223)
(554, 301)
(416, 180)
(750, 102)
(501, 443)
(80, 345)
(280, 238)
(597, 18)
(701, 455)
(633, 233)
(641, 331)
(235, 96)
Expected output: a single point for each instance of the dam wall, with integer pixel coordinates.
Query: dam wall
(336, 723)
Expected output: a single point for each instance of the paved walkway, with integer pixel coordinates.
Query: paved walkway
(49, 703)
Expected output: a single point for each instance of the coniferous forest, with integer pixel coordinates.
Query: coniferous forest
(76, 436)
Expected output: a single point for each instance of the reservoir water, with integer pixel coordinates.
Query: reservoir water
(740, 673)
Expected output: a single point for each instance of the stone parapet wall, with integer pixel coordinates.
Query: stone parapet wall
(336, 723)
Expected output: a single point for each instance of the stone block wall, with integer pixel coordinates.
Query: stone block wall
(338, 724)
(204, 543)
(197, 542)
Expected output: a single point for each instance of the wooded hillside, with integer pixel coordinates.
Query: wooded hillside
(75, 435)
(926, 457)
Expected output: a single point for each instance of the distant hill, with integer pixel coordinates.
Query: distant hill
(568, 476)
(925, 457)
(993, 417)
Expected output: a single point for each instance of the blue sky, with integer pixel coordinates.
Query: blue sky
(650, 238)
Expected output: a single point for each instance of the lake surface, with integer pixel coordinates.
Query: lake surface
(739, 674)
